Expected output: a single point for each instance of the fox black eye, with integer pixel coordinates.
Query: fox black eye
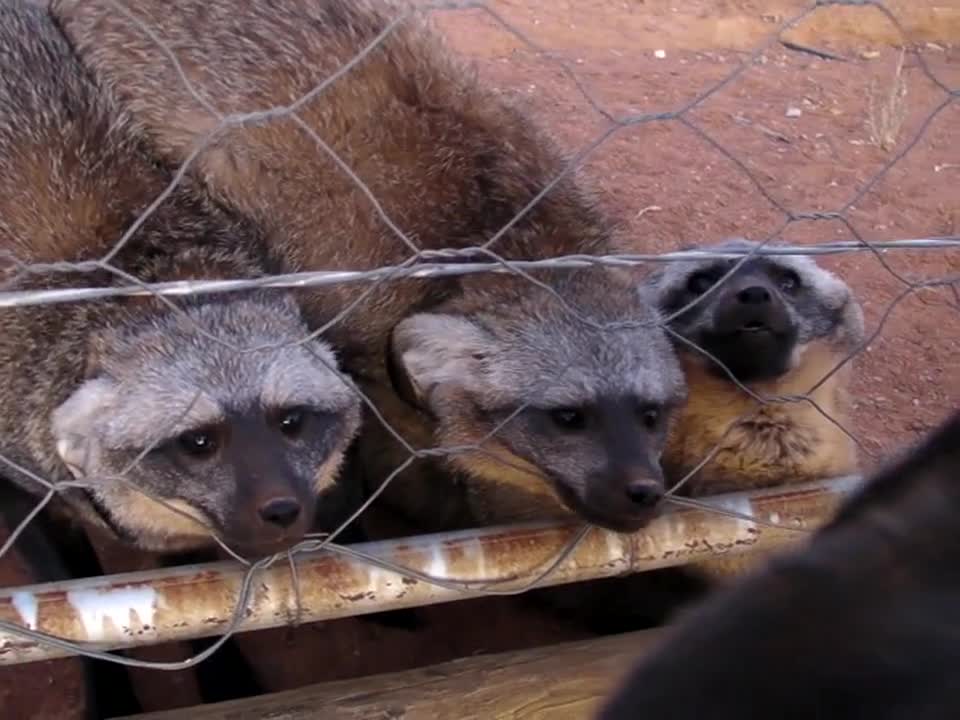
(291, 422)
(700, 282)
(568, 418)
(789, 281)
(198, 444)
(650, 417)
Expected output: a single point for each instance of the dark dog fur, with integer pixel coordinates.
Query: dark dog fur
(859, 623)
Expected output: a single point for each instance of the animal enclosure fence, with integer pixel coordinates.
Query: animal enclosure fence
(323, 579)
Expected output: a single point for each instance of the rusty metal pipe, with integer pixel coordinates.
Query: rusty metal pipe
(145, 608)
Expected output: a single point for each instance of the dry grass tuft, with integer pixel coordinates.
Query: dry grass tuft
(887, 109)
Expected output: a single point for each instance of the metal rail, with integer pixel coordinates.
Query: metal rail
(145, 608)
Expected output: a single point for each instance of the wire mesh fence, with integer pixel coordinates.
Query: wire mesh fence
(296, 587)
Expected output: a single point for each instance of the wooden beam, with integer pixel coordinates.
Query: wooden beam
(554, 682)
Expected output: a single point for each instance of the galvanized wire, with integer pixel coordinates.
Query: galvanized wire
(434, 264)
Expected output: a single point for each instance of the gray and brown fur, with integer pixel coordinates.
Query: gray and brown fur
(87, 386)
(451, 162)
(816, 325)
(804, 323)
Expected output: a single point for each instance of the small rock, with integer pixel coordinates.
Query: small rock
(660, 54)
(793, 112)
(870, 54)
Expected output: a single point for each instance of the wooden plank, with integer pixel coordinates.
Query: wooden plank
(554, 682)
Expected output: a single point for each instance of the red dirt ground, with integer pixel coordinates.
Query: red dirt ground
(672, 187)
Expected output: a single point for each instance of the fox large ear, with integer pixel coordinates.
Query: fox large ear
(74, 425)
(429, 349)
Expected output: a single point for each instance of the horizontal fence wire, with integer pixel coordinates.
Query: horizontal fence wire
(296, 577)
(424, 268)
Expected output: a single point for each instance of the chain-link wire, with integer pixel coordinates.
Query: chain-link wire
(424, 264)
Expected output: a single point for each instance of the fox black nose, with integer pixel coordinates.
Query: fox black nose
(282, 512)
(754, 295)
(644, 493)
